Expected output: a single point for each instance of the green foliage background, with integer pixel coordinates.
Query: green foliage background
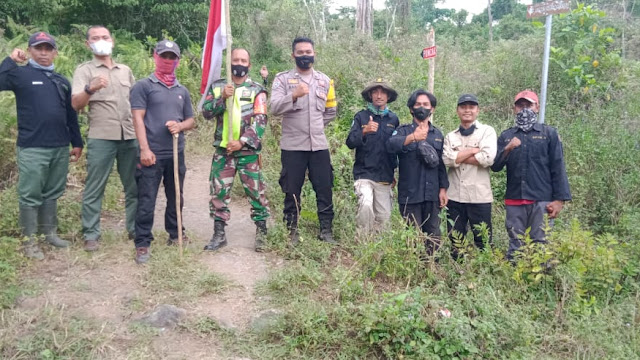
(378, 297)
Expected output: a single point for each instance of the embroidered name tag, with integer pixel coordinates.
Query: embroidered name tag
(36, 83)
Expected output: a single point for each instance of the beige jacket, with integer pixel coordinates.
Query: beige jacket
(109, 108)
(470, 183)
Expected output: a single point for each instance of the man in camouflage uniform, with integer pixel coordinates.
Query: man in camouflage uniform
(242, 154)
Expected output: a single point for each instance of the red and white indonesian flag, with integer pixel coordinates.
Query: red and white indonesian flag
(214, 43)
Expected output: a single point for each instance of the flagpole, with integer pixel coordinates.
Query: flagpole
(227, 14)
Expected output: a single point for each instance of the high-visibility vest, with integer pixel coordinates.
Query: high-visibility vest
(243, 99)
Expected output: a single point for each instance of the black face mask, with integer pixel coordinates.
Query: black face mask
(421, 113)
(467, 132)
(239, 70)
(304, 62)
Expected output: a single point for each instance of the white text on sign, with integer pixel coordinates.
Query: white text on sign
(428, 53)
(548, 8)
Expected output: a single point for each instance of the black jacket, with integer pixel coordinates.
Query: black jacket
(43, 101)
(535, 169)
(417, 183)
(373, 162)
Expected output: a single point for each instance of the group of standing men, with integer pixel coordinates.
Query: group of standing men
(134, 123)
(131, 123)
(537, 182)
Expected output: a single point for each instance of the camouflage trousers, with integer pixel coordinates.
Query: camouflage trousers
(223, 171)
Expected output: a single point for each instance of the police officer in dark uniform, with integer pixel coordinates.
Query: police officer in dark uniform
(422, 182)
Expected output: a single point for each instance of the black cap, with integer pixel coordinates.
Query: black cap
(467, 98)
(42, 37)
(167, 45)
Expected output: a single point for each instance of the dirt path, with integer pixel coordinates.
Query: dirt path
(109, 291)
(238, 262)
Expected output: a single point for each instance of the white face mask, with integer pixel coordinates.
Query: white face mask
(102, 47)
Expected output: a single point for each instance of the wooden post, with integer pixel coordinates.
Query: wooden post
(176, 181)
(431, 41)
(230, 100)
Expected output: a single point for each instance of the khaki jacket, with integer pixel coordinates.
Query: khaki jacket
(303, 121)
(470, 183)
(109, 108)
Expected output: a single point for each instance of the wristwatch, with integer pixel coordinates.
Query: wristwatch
(88, 90)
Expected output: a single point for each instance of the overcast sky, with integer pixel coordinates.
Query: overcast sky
(472, 6)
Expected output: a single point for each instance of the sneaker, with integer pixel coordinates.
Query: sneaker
(143, 254)
(91, 245)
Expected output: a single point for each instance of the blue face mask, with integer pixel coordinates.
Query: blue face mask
(40, 67)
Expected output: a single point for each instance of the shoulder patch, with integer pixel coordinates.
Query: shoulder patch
(394, 132)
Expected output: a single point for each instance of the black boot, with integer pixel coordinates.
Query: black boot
(219, 239)
(326, 232)
(29, 223)
(48, 223)
(261, 235)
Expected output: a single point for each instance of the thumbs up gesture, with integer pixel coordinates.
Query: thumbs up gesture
(371, 127)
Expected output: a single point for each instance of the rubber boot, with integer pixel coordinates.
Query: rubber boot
(48, 223)
(219, 239)
(326, 232)
(261, 235)
(29, 223)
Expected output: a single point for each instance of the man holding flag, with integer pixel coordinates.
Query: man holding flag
(241, 153)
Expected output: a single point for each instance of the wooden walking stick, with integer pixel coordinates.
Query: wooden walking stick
(176, 180)
(227, 5)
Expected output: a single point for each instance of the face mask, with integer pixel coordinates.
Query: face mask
(421, 113)
(40, 67)
(239, 70)
(467, 132)
(304, 62)
(165, 69)
(525, 119)
(102, 47)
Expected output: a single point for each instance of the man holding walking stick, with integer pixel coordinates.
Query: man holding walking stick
(161, 108)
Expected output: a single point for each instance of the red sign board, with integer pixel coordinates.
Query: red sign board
(428, 53)
(548, 8)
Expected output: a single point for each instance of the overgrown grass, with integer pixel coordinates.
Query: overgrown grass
(377, 296)
(176, 279)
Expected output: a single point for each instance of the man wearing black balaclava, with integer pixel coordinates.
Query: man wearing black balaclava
(537, 182)
(422, 181)
(306, 100)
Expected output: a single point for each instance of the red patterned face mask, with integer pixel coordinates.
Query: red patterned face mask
(165, 69)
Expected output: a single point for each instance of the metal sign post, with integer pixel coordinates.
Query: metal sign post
(545, 70)
(541, 9)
